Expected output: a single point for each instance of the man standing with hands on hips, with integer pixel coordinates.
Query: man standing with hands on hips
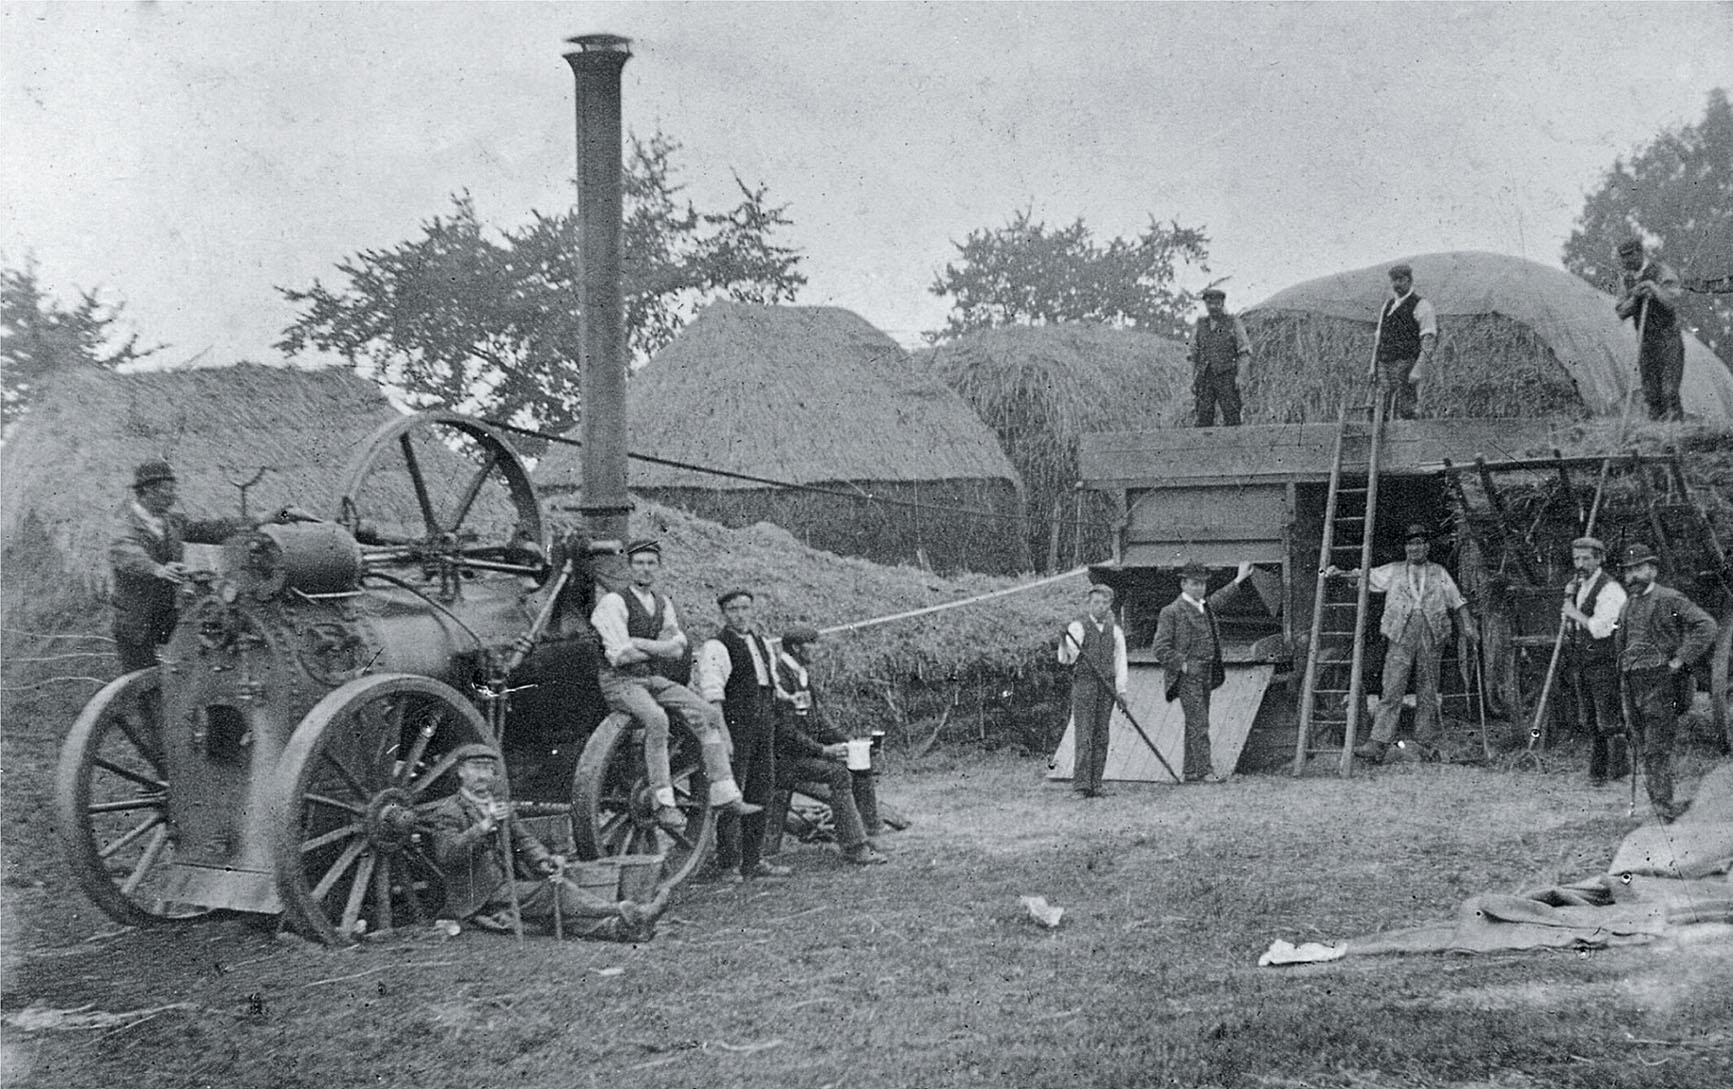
(1189, 647)
(1094, 644)
(1661, 633)
(1219, 345)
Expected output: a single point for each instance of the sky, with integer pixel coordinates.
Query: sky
(187, 159)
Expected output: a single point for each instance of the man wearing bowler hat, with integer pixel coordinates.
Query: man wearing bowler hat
(1219, 345)
(146, 554)
(1593, 601)
(1094, 644)
(1660, 634)
(1188, 645)
(1420, 597)
(1407, 337)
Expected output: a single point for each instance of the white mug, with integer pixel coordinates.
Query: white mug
(860, 754)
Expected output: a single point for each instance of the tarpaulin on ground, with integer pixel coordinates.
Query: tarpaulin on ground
(1665, 881)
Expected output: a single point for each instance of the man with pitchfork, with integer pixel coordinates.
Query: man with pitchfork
(1651, 299)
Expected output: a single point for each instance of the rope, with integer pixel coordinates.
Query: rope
(859, 624)
(858, 495)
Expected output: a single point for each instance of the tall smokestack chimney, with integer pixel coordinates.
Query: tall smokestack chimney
(596, 67)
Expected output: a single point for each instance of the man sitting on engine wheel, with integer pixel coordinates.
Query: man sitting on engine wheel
(638, 629)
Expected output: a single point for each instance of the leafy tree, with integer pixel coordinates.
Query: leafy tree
(38, 335)
(487, 322)
(1679, 190)
(1026, 273)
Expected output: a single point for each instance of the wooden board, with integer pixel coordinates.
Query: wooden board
(1233, 707)
(1281, 452)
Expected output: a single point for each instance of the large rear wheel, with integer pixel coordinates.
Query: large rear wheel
(349, 853)
(112, 796)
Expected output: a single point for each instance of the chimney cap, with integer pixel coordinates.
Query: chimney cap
(601, 43)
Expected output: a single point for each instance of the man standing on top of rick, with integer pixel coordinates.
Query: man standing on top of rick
(1407, 337)
(638, 628)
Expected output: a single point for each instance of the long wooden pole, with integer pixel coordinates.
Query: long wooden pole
(1536, 727)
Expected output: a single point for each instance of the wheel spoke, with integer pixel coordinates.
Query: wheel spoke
(127, 773)
(344, 861)
(358, 892)
(331, 837)
(121, 843)
(149, 801)
(677, 837)
(147, 862)
(614, 822)
(473, 488)
(413, 462)
(333, 803)
(349, 778)
(147, 749)
(416, 751)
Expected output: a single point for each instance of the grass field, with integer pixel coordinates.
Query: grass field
(928, 973)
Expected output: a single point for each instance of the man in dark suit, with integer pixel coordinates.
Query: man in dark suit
(468, 829)
(146, 555)
(1189, 649)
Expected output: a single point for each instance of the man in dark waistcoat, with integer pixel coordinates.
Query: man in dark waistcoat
(468, 829)
(146, 555)
(1189, 647)
(1651, 299)
(1661, 633)
(1407, 337)
(811, 749)
(1094, 644)
(1218, 346)
(736, 675)
(1593, 601)
(639, 629)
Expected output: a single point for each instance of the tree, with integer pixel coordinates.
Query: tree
(1678, 191)
(487, 322)
(39, 335)
(1026, 273)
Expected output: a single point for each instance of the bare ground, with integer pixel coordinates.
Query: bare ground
(927, 972)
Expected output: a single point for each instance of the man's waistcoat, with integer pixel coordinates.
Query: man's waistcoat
(1098, 648)
(1217, 348)
(642, 623)
(1583, 646)
(1399, 332)
(744, 700)
(1400, 604)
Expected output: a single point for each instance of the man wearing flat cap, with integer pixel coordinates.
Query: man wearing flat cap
(810, 748)
(1660, 634)
(1219, 345)
(639, 629)
(146, 554)
(1189, 647)
(736, 674)
(1420, 598)
(1094, 644)
(1651, 298)
(1593, 601)
(1407, 337)
(470, 829)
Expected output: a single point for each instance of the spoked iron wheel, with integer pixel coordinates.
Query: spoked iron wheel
(444, 493)
(112, 795)
(614, 813)
(350, 858)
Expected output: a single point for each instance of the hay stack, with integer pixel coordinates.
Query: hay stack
(1516, 338)
(815, 395)
(1041, 388)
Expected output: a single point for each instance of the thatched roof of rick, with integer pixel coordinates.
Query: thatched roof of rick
(817, 396)
(1517, 338)
(67, 466)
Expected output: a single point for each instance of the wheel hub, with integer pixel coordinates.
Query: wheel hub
(391, 819)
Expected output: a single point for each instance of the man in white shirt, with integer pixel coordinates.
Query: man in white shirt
(735, 675)
(1420, 599)
(1593, 601)
(638, 628)
(1097, 639)
(1407, 338)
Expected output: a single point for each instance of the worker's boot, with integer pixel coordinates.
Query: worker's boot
(1372, 750)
